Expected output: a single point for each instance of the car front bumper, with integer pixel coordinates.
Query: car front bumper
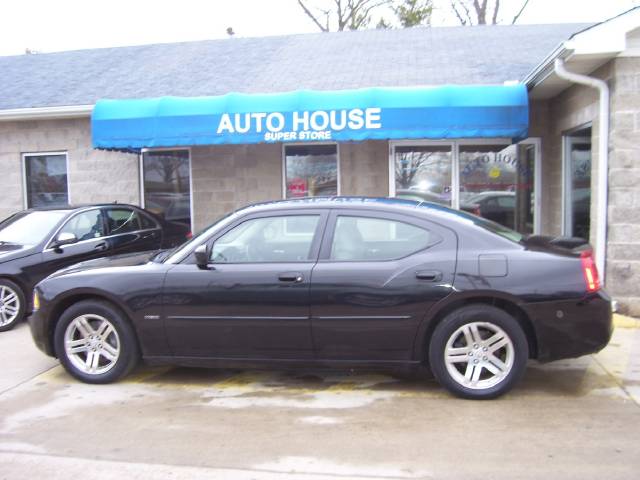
(571, 328)
(40, 332)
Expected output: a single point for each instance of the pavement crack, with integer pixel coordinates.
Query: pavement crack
(17, 385)
(618, 382)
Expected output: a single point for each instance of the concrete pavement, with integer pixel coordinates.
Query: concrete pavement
(571, 419)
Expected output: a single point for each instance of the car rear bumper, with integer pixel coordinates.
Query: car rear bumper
(571, 328)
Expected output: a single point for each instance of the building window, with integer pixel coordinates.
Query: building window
(46, 179)
(310, 170)
(490, 178)
(497, 183)
(166, 186)
(423, 172)
(577, 184)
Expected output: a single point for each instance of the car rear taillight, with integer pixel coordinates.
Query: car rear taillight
(189, 235)
(590, 271)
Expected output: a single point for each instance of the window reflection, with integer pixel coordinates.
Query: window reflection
(424, 173)
(497, 183)
(311, 170)
(166, 185)
(46, 180)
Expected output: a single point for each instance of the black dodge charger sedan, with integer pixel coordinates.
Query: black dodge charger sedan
(35, 243)
(348, 282)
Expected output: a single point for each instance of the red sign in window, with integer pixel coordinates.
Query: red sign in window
(297, 187)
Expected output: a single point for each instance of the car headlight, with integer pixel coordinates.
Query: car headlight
(36, 301)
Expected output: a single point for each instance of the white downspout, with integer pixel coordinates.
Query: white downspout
(603, 158)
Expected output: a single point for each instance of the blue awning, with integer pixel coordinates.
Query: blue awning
(444, 112)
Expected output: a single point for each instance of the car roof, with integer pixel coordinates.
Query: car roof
(69, 208)
(388, 204)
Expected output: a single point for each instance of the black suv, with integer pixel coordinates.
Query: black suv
(35, 243)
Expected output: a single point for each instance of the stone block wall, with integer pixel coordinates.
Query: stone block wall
(364, 168)
(623, 253)
(227, 177)
(93, 175)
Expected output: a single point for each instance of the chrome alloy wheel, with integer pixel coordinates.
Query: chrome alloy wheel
(91, 344)
(479, 355)
(9, 305)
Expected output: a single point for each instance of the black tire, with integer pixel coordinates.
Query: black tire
(477, 315)
(128, 351)
(9, 286)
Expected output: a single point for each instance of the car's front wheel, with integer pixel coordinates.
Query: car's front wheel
(12, 304)
(95, 342)
(478, 352)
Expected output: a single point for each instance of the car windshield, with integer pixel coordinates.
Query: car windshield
(29, 228)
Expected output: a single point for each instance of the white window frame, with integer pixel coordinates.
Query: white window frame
(567, 140)
(25, 191)
(307, 144)
(141, 176)
(455, 167)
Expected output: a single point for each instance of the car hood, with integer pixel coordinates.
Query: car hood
(12, 251)
(127, 260)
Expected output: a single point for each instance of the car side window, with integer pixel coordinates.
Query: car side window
(267, 239)
(122, 220)
(370, 239)
(85, 225)
(147, 222)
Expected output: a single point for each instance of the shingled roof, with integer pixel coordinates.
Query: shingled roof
(323, 61)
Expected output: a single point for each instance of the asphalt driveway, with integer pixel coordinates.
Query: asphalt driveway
(571, 419)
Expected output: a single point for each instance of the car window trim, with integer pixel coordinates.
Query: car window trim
(316, 243)
(47, 244)
(325, 249)
(66, 221)
(120, 207)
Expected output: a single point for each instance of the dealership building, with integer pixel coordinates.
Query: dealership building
(534, 126)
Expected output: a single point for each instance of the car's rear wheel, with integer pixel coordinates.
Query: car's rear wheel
(478, 352)
(12, 304)
(95, 343)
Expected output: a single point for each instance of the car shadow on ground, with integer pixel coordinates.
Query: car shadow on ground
(568, 378)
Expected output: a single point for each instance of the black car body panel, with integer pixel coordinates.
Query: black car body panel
(322, 311)
(26, 265)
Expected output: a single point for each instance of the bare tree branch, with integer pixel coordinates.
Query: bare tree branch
(494, 20)
(524, 5)
(312, 17)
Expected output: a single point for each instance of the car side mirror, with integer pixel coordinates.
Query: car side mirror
(65, 238)
(202, 257)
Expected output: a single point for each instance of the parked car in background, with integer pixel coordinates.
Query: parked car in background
(422, 196)
(346, 282)
(35, 243)
(498, 206)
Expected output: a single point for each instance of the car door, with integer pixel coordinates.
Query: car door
(377, 276)
(89, 228)
(130, 232)
(253, 299)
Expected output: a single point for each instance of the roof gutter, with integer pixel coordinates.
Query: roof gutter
(603, 156)
(545, 68)
(46, 113)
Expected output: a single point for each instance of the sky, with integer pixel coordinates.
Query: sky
(56, 25)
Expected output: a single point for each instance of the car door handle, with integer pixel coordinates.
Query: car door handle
(101, 247)
(429, 275)
(295, 277)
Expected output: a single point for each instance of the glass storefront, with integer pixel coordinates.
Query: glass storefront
(423, 172)
(166, 184)
(495, 180)
(311, 170)
(46, 179)
(578, 184)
